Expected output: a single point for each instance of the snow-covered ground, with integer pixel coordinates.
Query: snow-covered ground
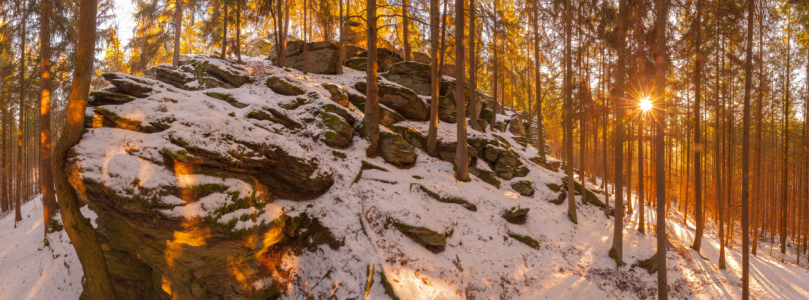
(31, 270)
(480, 259)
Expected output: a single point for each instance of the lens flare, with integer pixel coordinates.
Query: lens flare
(645, 104)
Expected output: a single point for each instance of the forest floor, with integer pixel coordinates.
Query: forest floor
(482, 258)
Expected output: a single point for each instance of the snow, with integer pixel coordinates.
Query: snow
(480, 259)
(31, 270)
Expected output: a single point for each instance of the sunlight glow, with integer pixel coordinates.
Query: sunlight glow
(645, 104)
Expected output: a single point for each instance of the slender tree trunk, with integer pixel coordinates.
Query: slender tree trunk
(238, 30)
(20, 135)
(785, 156)
(408, 52)
(342, 39)
(748, 86)
(495, 66)
(538, 105)
(474, 111)
(435, 80)
(616, 252)
(571, 199)
(46, 178)
(699, 147)
(461, 154)
(372, 89)
(81, 232)
(178, 27)
(224, 31)
(641, 204)
(305, 36)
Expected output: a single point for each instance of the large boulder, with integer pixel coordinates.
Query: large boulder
(130, 85)
(421, 57)
(320, 57)
(338, 133)
(402, 100)
(212, 73)
(338, 93)
(413, 75)
(384, 58)
(387, 117)
(285, 86)
(258, 48)
(395, 150)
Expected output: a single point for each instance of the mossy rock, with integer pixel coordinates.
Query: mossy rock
(524, 187)
(110, 95)
(128, 84)
(275, 116)
(446, 110)
(395, 150)
(455, 200)
(342, 112)
(487, 176)
(357, 63)
(525, 240)
(338, 94)
(556, 187)
(400, 99)
(426, 237)
(553, 166)
(516, 215)
(338, 132)
(284, 86)
(170, 76)
(589, 198)
(227, 98)
(293, 104)
(411, 135)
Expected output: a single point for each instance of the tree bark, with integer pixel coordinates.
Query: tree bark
(46, 177)
(372, 89)
(238, 30)
(408, 52)
(641, 204)
(616, 252)
(461, 154)
(178, 26)
(435, 81)
(699, 147)
(660, 150)
(538, 105)
(342, 40)
(473, 70)
(568, 109)
(20, 135)
(81, 232)
(748, 86)
(223, 54)
(785, 145)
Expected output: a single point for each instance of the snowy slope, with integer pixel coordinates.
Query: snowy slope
(480, 259)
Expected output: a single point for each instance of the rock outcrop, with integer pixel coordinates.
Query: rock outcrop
(320, 57)
(402, 100)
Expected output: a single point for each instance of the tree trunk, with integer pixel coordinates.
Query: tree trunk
(178, 26)
(785, 145)
(224, 31)
(435, 81)
(641, 204)
(305, 33)
(461, 154)
(81, 232)
(372, 89)
(238, 30)
(342, 40)
(495, 66)
(699, 147)
(473, 70)
(748, 86)
(46, 178)
(616, 252)
(20, 135)
(408, 52)
(568, 112)
(538, 105)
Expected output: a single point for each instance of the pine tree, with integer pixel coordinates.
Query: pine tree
(372, 90)
(461, 154)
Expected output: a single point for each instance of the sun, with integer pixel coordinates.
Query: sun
(645, 104)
